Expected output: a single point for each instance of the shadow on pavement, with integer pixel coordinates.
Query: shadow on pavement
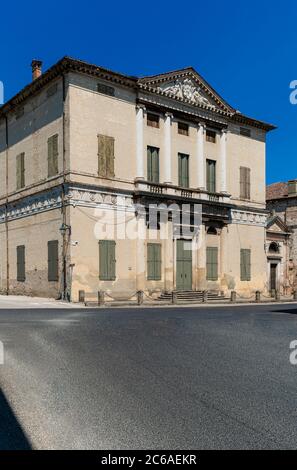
(12, 436)
(292, 311)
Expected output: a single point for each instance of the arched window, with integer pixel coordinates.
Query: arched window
(212, 231)
(273, 248)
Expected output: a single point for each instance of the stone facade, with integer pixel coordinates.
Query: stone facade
(282, 202)
(79, 206)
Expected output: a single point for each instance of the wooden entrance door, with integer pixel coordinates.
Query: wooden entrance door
(273, 279)
(184, 264)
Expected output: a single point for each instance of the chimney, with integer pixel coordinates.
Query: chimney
(36, 69)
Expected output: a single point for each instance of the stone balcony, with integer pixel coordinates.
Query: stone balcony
(172, 192)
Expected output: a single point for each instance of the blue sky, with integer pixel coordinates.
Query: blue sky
(246, 50)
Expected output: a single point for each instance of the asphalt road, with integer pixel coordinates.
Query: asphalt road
(169, 378)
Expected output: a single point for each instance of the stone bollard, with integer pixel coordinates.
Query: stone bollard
(100, 298)
(277, 295)
(205, 296)
(81, 296)
(174, 297)
(295, 295)
(140, 297)
(233, 296)
(258, 296)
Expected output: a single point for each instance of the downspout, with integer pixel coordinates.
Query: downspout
(6, 204)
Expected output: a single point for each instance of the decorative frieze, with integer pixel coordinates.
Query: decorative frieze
(244, 217)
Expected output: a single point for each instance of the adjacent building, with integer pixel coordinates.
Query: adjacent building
(281, 246)
(86, 153)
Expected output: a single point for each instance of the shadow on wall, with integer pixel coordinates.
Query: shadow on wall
(12, 436)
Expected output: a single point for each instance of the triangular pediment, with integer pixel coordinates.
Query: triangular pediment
(275, 224)
(188, 86)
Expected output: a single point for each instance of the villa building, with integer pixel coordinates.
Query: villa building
(86, 152)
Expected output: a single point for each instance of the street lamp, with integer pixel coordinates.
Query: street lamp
(63, 229)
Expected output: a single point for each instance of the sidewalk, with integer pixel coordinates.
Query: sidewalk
(22, 301)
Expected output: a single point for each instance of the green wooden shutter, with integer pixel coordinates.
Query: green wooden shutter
(153, 164)
(52, 155)
(53, 260)
(154, 262)
(183, 170)
(212, 263)
(245, 265)
(101, 156)
(21, 268)
(107, 261)
(245, 183)
(109, 149)
(20, 171)
(211, 176)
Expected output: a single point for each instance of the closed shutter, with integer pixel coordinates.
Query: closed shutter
(109, 149)
(183, 170)
(53, 260)
(107, 261)
(212, 263)
(211, 176)
(154, 262)
(245, 183)
(21, 268)
(101, 156)
(52, 155)
(245, 265)
(106, 156)
(153, 164)
(20, 171)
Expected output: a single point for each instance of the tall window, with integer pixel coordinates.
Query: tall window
(245, 265)
(153, 164)
(20, 171)
(21, 268)
(105, 156)
(52, 155)
(53, 260)
(107, 260)
(154, 261)
(211, 176)
(212, 263)
(183, 170)
(245, 183)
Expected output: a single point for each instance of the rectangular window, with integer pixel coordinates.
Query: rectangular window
(183, 170)
(107, 261)
(244, 131)
(153, 261)
(245, 183)
(20, 171)
(52, 155)
(211, 176)
(153, 164)
(212, 263)
(106, 156)
(245, 265)
(21, 269)
(211, 136)
(152, 120)
(53, 260)
(105, 89)
(183, 128)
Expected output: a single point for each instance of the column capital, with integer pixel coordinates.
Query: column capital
(169, 115)
(201, 124)
(225, 131)
(140, 106)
